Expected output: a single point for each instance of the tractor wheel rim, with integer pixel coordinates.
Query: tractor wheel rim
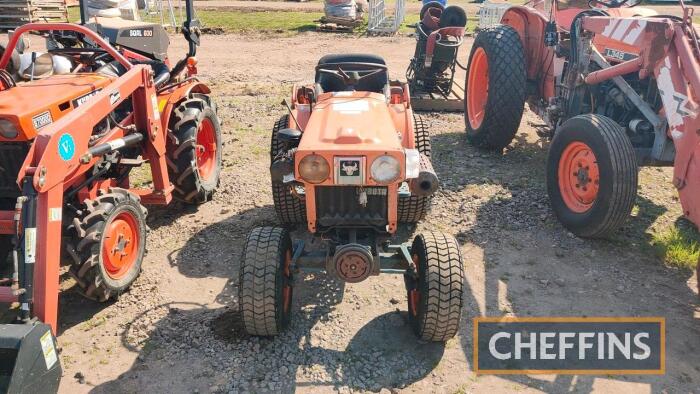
(579, 177)
(478, 88)
(414, 294)
(206, 149)
(287, 289)
(120, 245)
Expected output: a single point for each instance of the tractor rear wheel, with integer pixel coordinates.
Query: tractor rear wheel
(194, 150)
(265, 286)
(591, 175)
(108, 244)
(291, 209)
(435, 291)
(495, 88)
(412, 209)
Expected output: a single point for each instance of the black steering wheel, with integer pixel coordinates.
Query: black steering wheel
(353, 76)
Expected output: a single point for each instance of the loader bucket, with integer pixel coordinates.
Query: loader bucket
(29, 360)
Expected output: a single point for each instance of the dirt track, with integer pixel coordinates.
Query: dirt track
(177, 330)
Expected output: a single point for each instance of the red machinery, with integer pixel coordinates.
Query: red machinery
(71, 141)
(618, 85)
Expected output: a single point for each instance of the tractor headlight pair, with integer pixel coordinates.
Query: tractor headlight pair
(8, 129)
(385, 169)
(314, 169)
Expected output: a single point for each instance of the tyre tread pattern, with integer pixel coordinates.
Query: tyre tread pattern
(624, 188)
(260, 279)
(507, 88)
(84, 246)
(442, 288)
(413, 209)
(182, 145)
(291, 210)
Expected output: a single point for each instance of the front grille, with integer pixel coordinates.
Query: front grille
(339, 206)
(11, 158)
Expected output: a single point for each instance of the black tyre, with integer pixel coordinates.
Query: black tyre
(435, 292)
(453, 16)
(194, 150)
(290, 208)
(265, 288)
(591, 175)
(495, 88)
(429, 5)
(413, 209)
(108, 242)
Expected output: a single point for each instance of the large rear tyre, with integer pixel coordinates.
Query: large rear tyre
(194, 150)
(290, 208)
(108, 244)
(495, 88)
(413, 209)
(265, 287)
(435, 292)
(591, 175)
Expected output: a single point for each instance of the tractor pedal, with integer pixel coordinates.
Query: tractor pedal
(133, 162)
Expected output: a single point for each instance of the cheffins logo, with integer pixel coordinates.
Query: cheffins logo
(558, 345)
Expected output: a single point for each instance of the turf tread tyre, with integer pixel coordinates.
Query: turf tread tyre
(262, 280)
(291, 210)
(441, 285)
(507, 88)
(413, 209)
(618, 180)
(85, 245)
(185, 123)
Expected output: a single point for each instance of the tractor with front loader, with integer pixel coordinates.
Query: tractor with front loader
(619, 87)
(77, 122)
(349, 163)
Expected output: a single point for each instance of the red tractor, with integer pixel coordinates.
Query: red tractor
(618, 85)
(103, 101)
(349, 163)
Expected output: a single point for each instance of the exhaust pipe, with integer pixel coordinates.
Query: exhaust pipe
(427, 182)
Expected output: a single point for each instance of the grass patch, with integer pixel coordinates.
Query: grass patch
(678, 246)
(280, 22)
(289, 22)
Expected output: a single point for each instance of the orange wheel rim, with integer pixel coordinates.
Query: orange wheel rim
(120, 246)
(287, 290)
(414, 294)
(579, 177)
(478, 88)
(206, 149)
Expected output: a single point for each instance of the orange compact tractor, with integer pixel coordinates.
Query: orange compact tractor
(349, 163)
(75, 122)
(618, 85)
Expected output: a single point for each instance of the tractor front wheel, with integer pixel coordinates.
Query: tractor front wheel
(194, 150)
(108, 244)
(265, 285)
(591, 175)
(435, 290)
(495, 88)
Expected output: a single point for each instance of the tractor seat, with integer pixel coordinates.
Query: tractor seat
(377, 83)
(161, 73)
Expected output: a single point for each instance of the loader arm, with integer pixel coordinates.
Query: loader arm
(668, 54)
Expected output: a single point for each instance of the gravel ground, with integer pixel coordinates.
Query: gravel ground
(178, 330)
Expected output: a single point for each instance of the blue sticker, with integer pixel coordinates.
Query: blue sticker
(66, 147)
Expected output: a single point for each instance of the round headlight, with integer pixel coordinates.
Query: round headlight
(385, 169)
(8, 129)
(314, 169)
